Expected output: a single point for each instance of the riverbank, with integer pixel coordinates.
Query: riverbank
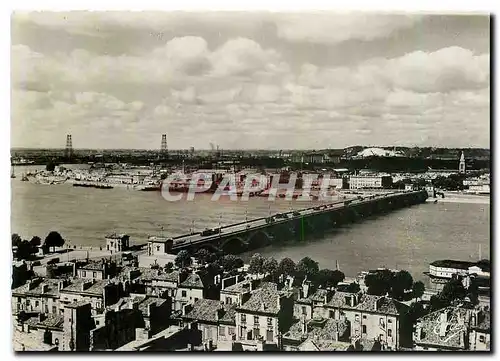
(450, 197)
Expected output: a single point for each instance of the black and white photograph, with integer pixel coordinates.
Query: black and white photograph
(250, 181)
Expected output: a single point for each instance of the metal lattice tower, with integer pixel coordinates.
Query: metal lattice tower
(69, 146)
(164, 143)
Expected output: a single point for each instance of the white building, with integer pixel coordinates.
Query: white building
(370, 181)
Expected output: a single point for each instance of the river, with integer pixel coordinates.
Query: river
(408, 239)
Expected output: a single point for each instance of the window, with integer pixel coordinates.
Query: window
(243, 317)
(256, 333)
(195, 299)
(389, 332)
(84, 274)
(222, 331)
(356, 318)
(46, 308)
(304, 310)
(27, 302)
(230, 330)
(94, 274)
(332, 314)
(481, 338)
(389, 321)
(37, 303)
(158, 248)
(184, 293)
(364, 329)
(269, 321)
(229, 300)
(364, 317)
(54, 309)
(256, 320)
(269, 335)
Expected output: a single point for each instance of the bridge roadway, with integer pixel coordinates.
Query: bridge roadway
(245, 227)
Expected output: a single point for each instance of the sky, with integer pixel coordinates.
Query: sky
(249, 80)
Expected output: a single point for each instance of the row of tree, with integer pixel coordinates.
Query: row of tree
(26, 249)
(398, 285)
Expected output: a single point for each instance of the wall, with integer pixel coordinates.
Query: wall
(43, 304)
(252, 322)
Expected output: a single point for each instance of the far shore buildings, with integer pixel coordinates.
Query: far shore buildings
(117, 242)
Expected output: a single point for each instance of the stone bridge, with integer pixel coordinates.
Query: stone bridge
(294, 226)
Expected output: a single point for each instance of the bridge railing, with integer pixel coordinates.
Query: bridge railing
(325, 208)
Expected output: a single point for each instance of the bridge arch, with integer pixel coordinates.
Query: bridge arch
(233, 245)
(259, 239)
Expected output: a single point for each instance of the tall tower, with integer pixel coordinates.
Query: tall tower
(461, 165)
(163, 143)
(69, 147)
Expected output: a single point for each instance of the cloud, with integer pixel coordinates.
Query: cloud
(333, 28)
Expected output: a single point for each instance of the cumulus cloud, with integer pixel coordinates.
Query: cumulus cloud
(332, 28)
(240, 93)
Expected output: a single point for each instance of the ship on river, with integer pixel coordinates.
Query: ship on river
(93, 185)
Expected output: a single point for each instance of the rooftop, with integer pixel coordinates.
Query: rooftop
(263, 299)
(448, 263)
(319, 329)
(93, 266)
(116, 236)
(443, 328)
(207, 310)
(51, 289)
(238, 288)
(96, 288)
(324, 345)
(192, 281)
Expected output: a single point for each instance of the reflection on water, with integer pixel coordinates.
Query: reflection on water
(408, 239)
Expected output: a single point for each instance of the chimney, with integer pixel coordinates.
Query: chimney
(244, 297)
(190, 347)
(219, 313)
(30, 284)
(262, 306)
(303, 323)
(186, 309)
(305, 289)
(60, 285)
(151, 307)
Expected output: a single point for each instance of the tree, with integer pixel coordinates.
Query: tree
(202, 255)
(353, 288)
(379, 283)
(20, 275)
(36, 241)
(168, 267)
(25, 250)
(16, 240)
(287, 267)
(308, 267)
(256, 264)
(329, 278)
(418, 289)
(270, 266)
(401, 282)
(452, 290)
(183, 259)
(53, 239)
(230, 262)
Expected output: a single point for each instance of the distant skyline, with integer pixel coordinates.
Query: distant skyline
(118, 80)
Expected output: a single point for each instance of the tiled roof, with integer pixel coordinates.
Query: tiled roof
(206, 310)
(325, 345)
(148, 274)
(76, 304)
(52, 289)
(320, 329)
(143, 306)
(240, 287)
(431, 326)
(263, 299)
(485, 324)
(95, 289)
(369, 303)
(319, 295)
(96, 266)
(192, 281)
(53, 321)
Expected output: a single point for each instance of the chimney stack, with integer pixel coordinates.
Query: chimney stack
(304, 325)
